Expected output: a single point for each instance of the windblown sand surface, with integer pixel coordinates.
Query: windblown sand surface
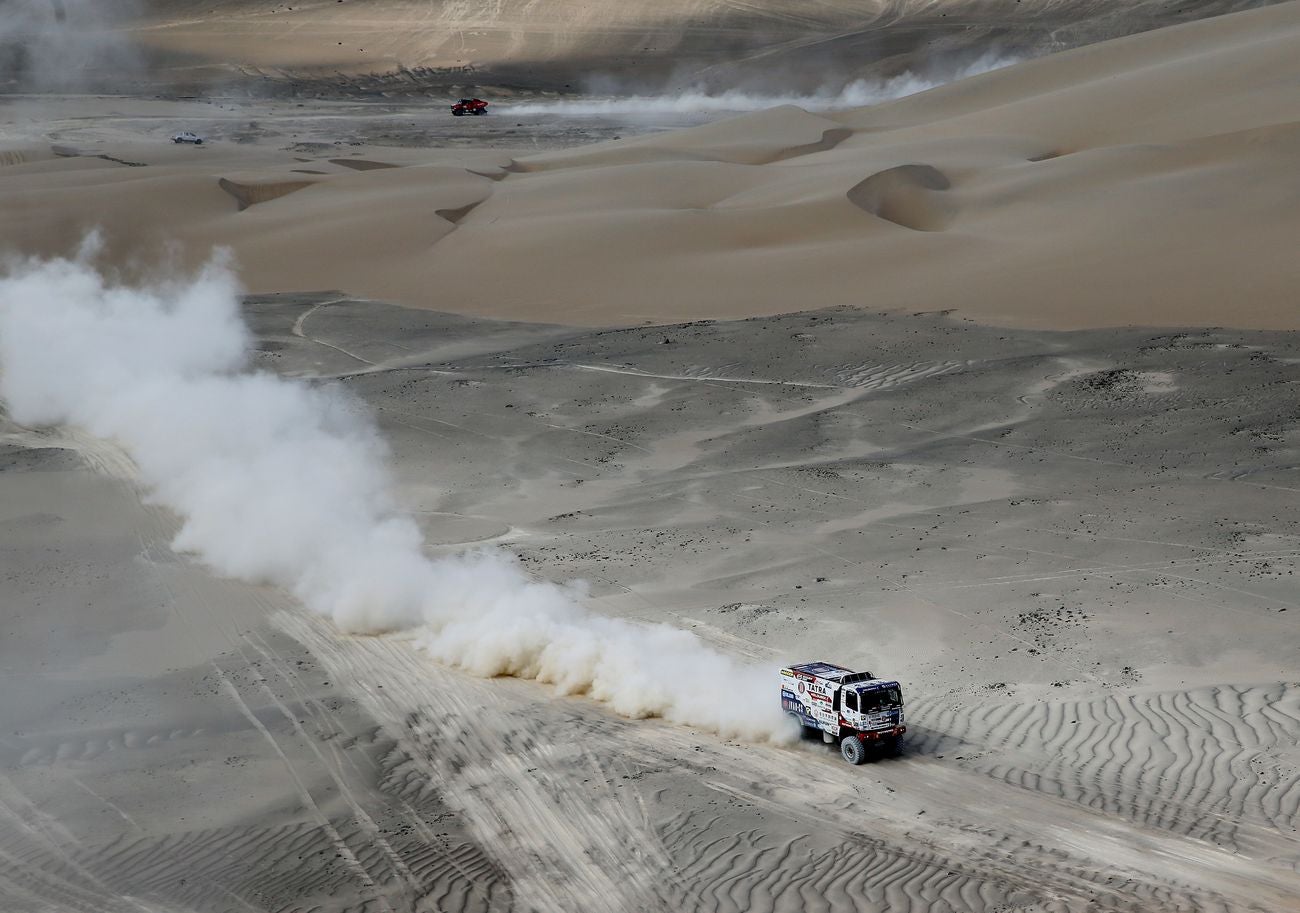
(990, 389)
(1076, 549)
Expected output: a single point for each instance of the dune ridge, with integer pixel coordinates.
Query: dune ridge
(253, 190)
(905, 195)
(1137, 181)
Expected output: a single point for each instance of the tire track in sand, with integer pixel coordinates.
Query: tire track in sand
(704, 824)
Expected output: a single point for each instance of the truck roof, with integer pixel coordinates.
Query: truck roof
(829, 671)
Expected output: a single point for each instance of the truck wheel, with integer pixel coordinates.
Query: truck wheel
(853, 750)
(893, 747)
(457, 113)
(805, 732)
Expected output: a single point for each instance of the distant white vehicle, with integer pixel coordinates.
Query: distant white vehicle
(186, 136)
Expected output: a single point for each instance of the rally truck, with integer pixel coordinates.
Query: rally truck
(856, 709)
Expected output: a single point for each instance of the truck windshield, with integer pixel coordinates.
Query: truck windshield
(881, 699)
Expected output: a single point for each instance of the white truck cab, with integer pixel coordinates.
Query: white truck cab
(854, 708)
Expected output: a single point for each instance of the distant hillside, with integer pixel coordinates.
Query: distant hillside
(621, 45)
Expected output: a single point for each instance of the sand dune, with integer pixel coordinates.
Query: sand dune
(250, 190)
(1071, 202)
(1139, 181)
(752, 139)
(907, 195)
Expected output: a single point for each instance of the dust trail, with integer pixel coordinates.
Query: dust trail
(698, 101)
(59, 45)
(281, 482)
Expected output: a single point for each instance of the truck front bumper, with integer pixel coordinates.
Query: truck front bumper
(882, 734)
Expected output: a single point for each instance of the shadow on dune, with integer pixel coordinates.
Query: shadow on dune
(912, 196)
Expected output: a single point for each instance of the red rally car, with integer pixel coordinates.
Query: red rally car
(469, 106)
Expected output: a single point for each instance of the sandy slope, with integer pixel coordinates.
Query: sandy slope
(1141, 181)
(646, 43)
(1076, 549)
(1148, 180)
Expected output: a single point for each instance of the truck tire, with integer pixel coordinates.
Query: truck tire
(805, 732)
(853, 750)
(893, 747)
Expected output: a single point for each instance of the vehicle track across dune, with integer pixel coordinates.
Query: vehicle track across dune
(569, 798)
(1043, 772)
(97, 454)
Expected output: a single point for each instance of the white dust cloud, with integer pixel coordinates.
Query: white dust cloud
(58, 45)
(281, 482)
(698, 101)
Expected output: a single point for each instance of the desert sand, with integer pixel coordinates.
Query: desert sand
(990, 389)
(646, 44)
(1140, 181)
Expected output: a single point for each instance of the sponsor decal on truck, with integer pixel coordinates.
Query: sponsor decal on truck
(855, 708)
